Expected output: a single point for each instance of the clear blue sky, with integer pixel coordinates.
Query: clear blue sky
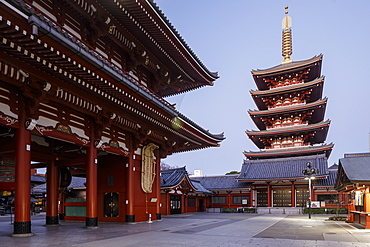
(234, 37)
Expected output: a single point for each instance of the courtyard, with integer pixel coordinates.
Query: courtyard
(195, 229)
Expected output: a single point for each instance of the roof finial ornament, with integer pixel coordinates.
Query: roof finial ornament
(287, 37)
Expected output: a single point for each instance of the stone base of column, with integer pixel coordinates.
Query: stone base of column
(61, 216)
(52, 221)
(22, 229)
(91, 222)
(158, 216)
(130, 218)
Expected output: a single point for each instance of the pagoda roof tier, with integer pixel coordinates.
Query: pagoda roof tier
(317, 133)
(145, 21)
(289, 152)
(314, 64)
(282, 168)
(316, 87)
(315, 109)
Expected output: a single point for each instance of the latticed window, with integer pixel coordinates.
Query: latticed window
(262, 198)
(239, 199)
(331, 198)
(191, 202)
(302, 196)
(218, 200)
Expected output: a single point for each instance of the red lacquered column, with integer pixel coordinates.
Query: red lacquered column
(52, 184)
(158, 186)
(91, 186)
(293, 194)
(22, 219)
(269, 196)
(130, 201)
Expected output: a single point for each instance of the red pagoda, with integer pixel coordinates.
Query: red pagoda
(291, 129)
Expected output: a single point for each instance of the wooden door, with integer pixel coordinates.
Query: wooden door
(111, 204)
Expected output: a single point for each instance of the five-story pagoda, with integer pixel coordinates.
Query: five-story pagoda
(291, 129)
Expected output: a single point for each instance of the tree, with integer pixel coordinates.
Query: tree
(232, 172)
(165, 166)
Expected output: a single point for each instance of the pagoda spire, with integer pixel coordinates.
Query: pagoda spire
(286, 37)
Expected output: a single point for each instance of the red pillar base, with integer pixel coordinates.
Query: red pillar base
(158, 216)
(52, 221)
(130, 218)
(91, 222)
(22, 229)
(61, 216)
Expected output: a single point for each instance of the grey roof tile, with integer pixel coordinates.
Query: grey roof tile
(221, 182)
(282, 168)
(199, 187)
(356, 168)
(37, 179)
(328, 181)
(173, 177)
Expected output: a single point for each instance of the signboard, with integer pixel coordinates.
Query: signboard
(315, 204)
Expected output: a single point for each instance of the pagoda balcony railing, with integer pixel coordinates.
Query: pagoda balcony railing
(275, 147)
(287, 83)
(286, 105)
(282, 126)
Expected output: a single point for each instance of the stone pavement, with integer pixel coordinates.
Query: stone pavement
(197, 229)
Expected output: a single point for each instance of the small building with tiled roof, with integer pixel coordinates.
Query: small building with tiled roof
(353, 179)
(180, 194)
(227, 191)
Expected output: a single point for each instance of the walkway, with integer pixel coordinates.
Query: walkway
(199, 229)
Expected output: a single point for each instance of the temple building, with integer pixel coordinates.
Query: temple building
(353, 183)
(291, 130)
(82, 94)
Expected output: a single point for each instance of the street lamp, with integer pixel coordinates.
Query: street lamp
(309, 171)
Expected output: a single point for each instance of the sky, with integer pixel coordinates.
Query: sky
(234, 37)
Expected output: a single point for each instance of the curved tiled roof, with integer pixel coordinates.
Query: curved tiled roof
(199, 187)
(97, 60)
(317, 108)
(320, 132)
(326, 182)
(173, 177)
(37, 179)
(316, 87)
(221, 182)
(282, 168)
(289, 152)
(287, 66)
(357, 169)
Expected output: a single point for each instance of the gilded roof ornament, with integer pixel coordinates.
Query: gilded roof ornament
(286, 37)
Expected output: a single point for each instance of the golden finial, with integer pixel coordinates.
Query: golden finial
(287, 37)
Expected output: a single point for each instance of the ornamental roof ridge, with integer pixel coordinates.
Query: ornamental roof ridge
(286, 66)
(180, 38)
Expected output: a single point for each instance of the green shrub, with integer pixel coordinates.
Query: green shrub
(342, 218)
(229, 210)
(326, 210)
(249, 210)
